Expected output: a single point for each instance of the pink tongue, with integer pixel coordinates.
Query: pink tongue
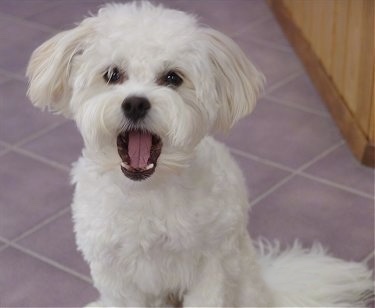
(139, 148)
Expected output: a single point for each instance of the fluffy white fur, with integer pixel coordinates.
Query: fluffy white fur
(183, 230)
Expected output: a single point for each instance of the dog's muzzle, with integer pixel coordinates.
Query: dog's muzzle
(139, 151)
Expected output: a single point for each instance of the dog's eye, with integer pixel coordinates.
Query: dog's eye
(172, 79)
(113, 75)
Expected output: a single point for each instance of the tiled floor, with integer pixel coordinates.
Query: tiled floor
(303, 180)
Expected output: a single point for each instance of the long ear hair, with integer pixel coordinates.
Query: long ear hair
(238, 83)
(49, 68)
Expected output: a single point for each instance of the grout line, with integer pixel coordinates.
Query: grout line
(272, 189)
(33, 136)
(254, 22)
(261, 160)
(7, 78)
(301, 173)
(3, 239)
(369, 257)
(279, 47)
(42, 159)
(11, 75)
(4, 143)
(282, 82)
(320, 156)
(295, 106)
(336, 185)
(41, 225)
(250, 24)
(29, 23)
(7, 148)
(51, 262)
(34, 228)
(4, 151)
(36, 255)
(6, 244)
(38, 134)
(295, 172)
(15, 147)
(3, 248)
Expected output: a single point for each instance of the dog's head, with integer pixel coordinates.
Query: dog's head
(144, 84)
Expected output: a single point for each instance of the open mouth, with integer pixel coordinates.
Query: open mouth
(139, 151)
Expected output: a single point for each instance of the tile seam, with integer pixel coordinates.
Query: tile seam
(29, 23)
(261, 160)
(42, 159)
(282, 82)
(38, 134)
(336, 185)
(6, 244)
(5, 151)
(14, 147)
(295, 172)
(275, 46)
(51, 262)
(255, 22)
(296, 106)
(304, 174)
(369, 257)
(40, 225)
(11, 76)
(250, 24)
(33, 136)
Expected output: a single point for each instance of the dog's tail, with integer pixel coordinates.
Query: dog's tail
(311, 278)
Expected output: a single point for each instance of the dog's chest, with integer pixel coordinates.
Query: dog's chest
(147, 223)
(164, 224)
(154, 238)
(157, 245)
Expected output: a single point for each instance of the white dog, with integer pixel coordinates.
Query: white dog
(160, 208)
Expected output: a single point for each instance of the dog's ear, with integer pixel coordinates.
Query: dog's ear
(49, 69)
(238, 83)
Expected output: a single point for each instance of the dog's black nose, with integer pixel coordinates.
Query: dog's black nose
(135, 107)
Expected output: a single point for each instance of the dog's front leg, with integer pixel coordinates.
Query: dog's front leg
(114, 288)
(208, 290)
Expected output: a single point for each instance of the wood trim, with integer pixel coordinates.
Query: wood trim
(360, 145)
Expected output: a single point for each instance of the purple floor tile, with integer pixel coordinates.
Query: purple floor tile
(283, 134)
(18, 118)
(228, 16)
(63, 144)
(371, 261)
(2, 147)
(259, 177)
(28, 282)
(301, 92)
(341, 167)
(56, 242)
(3, 78)
(24, 8)
(268, 30)
(309, 211)
(225, 15)
(21, 40)
(65, 14)
(2, 244)
(30, 192)
(275, 64)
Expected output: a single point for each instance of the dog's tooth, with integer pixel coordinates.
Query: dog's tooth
(150, 166)
(125, 165)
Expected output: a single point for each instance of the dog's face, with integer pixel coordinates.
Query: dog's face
(144, 84)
